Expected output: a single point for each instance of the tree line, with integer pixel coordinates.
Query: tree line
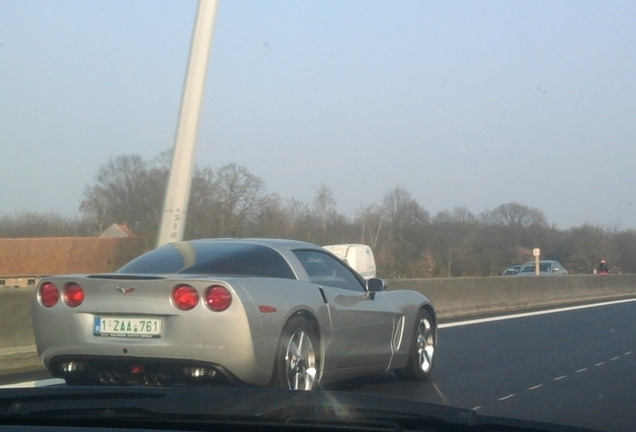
(408, 241)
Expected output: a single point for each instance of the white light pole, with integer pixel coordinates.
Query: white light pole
(178, 192)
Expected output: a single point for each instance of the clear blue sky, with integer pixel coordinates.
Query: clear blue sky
(463, 103)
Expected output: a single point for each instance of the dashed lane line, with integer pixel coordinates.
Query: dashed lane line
(506, 397)
(559, 378)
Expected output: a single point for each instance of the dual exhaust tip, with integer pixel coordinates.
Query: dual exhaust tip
(137, 375)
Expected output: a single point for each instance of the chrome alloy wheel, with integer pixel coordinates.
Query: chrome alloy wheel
(425, 344)
(300, 361)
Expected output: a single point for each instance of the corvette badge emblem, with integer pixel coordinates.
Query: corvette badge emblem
(124, 291)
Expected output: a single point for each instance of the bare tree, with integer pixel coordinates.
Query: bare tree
(35, 224)
(371, 226)
(402, 212)
(204, 197)
(408, 223)
(624, 247)
(241, 195)
(127, 190)
(325, 206)
(231, 201)
(514, 214)
(272, 220)
(305, 225)
(453, 235)
(587, 245)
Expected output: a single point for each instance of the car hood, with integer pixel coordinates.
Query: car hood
(181, 407)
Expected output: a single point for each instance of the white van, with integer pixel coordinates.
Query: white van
(358, 256)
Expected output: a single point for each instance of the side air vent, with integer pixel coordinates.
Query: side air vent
(399, 332)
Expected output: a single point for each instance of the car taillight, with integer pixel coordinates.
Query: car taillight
(49, 294)
(73, 295)
(185, 297)
(218, 298)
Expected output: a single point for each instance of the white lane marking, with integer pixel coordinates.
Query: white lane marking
(476, 408)
(615, 358)
(506, 397)
(39, 383)
(542, 312)
(527, 314)
(441, 395)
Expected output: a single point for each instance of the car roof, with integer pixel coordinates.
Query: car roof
(275, 243)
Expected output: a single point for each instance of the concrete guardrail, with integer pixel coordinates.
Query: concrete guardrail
(452, 297)
(17, 345)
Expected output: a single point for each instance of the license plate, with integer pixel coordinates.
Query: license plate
(128, 327)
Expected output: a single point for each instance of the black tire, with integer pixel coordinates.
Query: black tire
(421, 348)
(296, 363)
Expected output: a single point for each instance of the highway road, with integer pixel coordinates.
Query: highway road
(574, 366)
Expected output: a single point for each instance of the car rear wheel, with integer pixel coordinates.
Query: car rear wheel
(422, 348)
(296, 364)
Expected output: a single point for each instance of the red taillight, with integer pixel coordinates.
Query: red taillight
(73, 295)
(49, 294)
(185, 297)
(218, 298)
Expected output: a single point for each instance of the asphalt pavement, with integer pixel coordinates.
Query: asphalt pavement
(574, 367)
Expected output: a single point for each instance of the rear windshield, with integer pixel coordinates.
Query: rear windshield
(211, 258)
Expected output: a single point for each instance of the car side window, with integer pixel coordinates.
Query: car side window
(323, 269)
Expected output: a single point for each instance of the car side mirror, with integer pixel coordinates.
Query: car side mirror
(376, 285)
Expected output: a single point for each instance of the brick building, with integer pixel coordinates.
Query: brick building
(23, 261)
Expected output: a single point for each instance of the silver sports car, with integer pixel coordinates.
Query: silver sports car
(258, 311)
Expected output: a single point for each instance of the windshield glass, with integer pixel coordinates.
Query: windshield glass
(436, 144)
(211, 258)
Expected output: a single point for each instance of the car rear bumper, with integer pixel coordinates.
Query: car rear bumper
(126, 371)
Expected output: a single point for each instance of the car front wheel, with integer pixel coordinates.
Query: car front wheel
(296, 364)
(422, 348)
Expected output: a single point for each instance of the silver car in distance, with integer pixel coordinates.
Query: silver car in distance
(546, 268)
(258, 311)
